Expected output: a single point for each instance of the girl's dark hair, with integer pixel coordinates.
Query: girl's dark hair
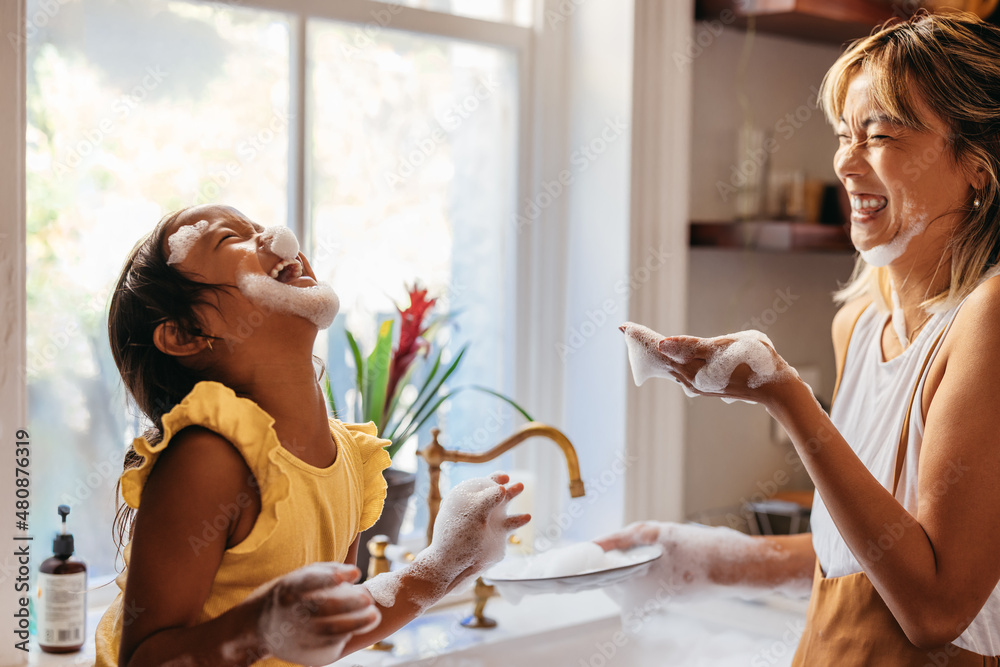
(150, 292)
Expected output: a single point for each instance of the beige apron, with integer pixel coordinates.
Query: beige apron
(849, 624)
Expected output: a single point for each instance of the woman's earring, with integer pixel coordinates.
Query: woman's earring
(210, 344)
(976, 203)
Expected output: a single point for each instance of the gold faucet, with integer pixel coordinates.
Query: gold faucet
(435, 455)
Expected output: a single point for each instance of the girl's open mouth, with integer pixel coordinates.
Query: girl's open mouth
(286, 270)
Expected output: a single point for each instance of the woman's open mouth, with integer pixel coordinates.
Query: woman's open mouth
(286, 271)
(865, 205)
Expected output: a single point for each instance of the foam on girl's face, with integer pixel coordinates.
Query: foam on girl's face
(915, 222)
(183, 239)
(317, 303)
(281, 241)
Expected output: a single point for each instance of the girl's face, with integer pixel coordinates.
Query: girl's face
(905, 186)
(219, 245)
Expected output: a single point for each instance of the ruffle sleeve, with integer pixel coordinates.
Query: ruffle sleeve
(374, 459)
(240, 421)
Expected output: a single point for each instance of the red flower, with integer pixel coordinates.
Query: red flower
(410, 342)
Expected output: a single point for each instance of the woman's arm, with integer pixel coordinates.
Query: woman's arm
(697, 557)
(934, 570)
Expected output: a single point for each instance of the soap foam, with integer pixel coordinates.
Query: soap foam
(644, 358)
(693, 554)
(316, 303)
(899, 320)
(887, 253)
(281, 241)
(294, 634)
(182, 240)
(470, 535)
(746, 347)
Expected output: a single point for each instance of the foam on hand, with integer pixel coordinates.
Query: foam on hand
(644, 358)
(915, 223)
(182, 240)
(752, 348)
(281, 241)
(470, 535)
(317, 303)
(694, 556)
(291, 628)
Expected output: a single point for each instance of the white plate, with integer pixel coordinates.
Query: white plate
(513, 589)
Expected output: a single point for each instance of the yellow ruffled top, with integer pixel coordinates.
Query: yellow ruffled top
(307, 515)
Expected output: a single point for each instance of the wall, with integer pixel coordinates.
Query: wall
(729, 452)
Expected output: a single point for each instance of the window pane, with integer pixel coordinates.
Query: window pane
(503, 11)
(134, 109)
(413, 162)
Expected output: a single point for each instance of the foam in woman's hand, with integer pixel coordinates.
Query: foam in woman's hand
(182, 240)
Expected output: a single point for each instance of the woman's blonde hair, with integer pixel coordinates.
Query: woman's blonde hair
(952, 62)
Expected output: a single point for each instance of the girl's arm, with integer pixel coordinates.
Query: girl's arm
(934, 570)
(469, 536)
(192, 510)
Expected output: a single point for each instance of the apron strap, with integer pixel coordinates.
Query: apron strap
(843, 357)
(904, 436)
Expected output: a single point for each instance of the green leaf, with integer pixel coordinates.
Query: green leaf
(377, 374)
(404, 382)
(390, 434)
(420, 415)
(328, 391)
(509, 401)
(359, 366)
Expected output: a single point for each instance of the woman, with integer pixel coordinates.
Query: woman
(906, 526)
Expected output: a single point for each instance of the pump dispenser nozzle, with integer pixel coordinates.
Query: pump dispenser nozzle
(62, 546)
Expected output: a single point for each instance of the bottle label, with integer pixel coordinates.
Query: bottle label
(62, 609)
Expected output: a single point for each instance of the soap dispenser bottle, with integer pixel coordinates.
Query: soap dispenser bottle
(62, 596)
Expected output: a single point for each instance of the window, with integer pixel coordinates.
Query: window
(395, 153)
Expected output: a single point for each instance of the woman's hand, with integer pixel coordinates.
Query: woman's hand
(308, 615)
(742, 366)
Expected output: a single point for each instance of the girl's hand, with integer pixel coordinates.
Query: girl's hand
(742, 366)
(308, 615)
(472, 525)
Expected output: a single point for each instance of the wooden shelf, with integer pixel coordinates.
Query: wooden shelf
(831, 21)
(770, 236)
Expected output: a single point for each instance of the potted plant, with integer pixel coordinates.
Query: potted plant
(381, 379)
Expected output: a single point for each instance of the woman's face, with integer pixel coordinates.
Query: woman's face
(906, 190)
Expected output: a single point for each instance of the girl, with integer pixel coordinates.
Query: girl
(248, 500)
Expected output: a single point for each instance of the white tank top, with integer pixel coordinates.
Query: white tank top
(868, 411)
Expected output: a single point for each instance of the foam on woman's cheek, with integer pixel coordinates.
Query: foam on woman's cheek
(915, 221)
(182, 240)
